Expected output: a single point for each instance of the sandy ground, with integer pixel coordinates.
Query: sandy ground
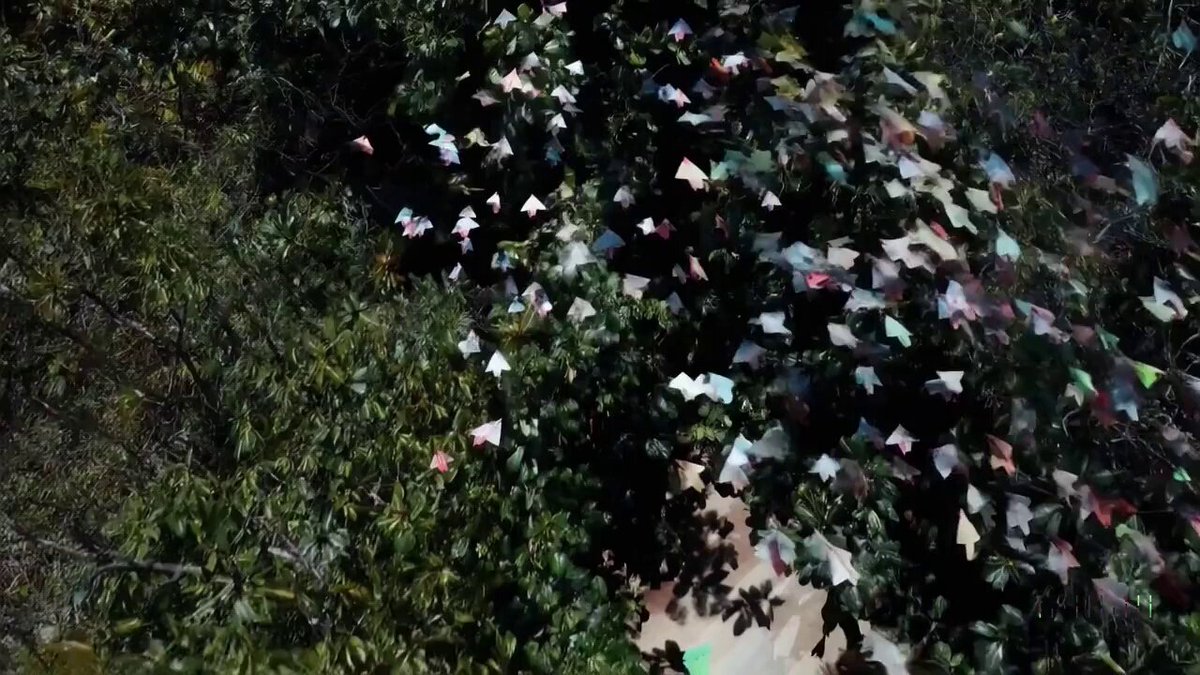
(781, 650)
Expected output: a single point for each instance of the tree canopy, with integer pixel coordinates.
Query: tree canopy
(347, 336)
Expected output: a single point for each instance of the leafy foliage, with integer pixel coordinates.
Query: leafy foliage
(389, 335)
(248, 397)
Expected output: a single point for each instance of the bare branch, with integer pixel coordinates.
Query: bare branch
(109, 561)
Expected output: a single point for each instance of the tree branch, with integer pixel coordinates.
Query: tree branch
(109, 561)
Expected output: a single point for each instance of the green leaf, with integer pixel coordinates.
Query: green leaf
(986, 630)
(991, 655)
(996, 573)
(514, 460)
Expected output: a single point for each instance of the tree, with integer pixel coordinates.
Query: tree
(256, 403)
(374, 343)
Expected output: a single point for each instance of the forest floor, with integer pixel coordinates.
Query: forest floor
(783, 649)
